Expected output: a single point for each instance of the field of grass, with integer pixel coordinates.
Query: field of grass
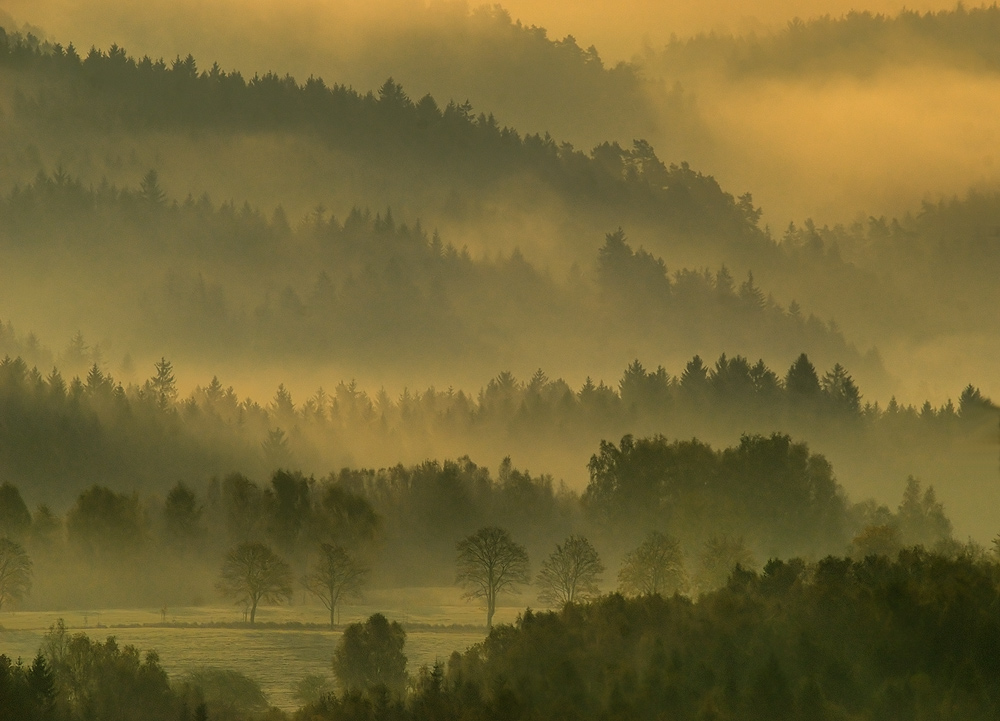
(276, 656)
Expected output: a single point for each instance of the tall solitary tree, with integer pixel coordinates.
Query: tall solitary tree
(334, 576)
(571, 573)
(252, 574)
(15, 572)
(490, 562)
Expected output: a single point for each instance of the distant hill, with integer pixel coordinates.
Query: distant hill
(859, 43)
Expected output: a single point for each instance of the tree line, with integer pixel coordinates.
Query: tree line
(647, 500)
(386, 126)
(328, 282)
(59, 433)
(948, 247)
(860, 42)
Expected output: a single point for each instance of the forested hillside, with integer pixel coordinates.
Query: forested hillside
(97, 122)
(859, 42)
(459, 152)
(368, 291)
(420, 312)
(506, 251)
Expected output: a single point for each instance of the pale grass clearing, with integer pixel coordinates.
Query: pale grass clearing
(438, 622)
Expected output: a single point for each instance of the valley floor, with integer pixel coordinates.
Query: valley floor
(287, 644)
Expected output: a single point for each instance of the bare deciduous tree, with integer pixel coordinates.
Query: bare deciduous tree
(656, 566)
(334, 576)
(15, 572)
(571, 573)
(253, 574)
(489, 562)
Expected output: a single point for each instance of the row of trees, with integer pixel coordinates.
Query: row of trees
(95, 429)
(490, 562)
(253, 574)
(402, 522)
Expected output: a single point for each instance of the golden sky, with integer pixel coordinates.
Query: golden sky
(617, 28)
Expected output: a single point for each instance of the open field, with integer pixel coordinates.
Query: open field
(277, 657)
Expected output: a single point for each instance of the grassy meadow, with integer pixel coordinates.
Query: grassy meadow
(287, 643)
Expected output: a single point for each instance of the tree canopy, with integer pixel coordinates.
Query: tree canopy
(489, 563)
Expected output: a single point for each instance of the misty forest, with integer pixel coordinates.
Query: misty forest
(428, 361)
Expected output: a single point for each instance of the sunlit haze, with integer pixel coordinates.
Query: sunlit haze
(425, 361)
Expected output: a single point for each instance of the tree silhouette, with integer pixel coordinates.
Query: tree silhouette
(920, 518)
(275, 451)
(15, 572)
(656, 566)
(105, 522)
(15, 519)
(162, 385)
(150, 190)
(801, 380)
(182, 515)
(841, 390)
(254, 574)
(334, 576)
(490, 562)
(370, 655)
(571, 573)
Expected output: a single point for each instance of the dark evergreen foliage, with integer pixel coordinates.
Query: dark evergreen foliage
(870, 639)
(112, 89)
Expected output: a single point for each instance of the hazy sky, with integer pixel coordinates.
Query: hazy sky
(617, 28)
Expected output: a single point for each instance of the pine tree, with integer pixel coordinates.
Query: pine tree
(801, 380)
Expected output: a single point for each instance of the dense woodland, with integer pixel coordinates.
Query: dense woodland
(878, 638)
(771, 493)
(901, 637)
(387, 127)
(460, 52)
(218, 280)
(487, 186)
(725, 513)
(59, 433)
